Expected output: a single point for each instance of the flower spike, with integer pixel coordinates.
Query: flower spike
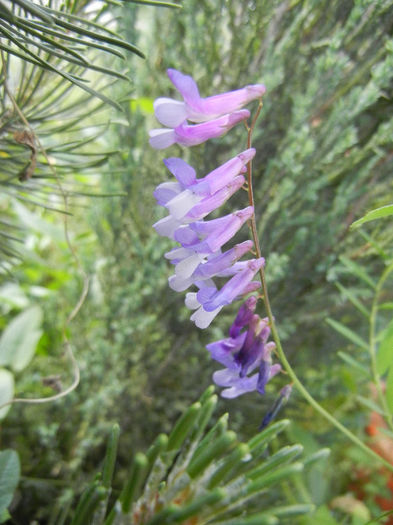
(198, 260)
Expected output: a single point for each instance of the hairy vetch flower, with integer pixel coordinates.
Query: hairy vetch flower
(245, 352)
(192, 135)
(172, 112)
(198, 260)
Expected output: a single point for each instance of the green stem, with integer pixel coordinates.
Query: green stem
(279, 349)
(372, 347)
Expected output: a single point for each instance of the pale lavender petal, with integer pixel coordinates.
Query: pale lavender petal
(182, 203)
(231, 101)
(186, 236)
(226, 377)
(191, 301)
(274, 370)
(161, 138)
(166, 191)
(243, 386)
(206, 227)
(222, 175)
(183, 172)
(251, 287)
(200, 109)
(268, 349)
(217, 238)
(167, 226)
(208, 204)
(233, 270)
(170, 112)
(206, 293)
(186, 135)
(202, 319)
(178, 284)
(185, 268)
(186, 86)
(222, 261)
(235, 286)
(178, 253)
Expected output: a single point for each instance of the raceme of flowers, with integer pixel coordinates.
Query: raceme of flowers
(201, 255)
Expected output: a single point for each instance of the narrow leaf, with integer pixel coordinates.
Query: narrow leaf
(353, 363)
(378, 213)
(215, 449)
(137, 475)
(357, 270)
(347, 333)
(110, 457)
(354, 300)
(183, 426)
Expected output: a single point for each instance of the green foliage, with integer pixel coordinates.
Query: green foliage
(199, 477)
(379, 213)
(19, 340)
(9, 478)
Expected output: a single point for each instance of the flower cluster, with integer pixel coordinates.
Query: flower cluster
(199, 257)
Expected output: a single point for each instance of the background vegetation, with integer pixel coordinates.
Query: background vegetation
(324, 158)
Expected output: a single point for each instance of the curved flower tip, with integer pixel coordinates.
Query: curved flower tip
(197, 109)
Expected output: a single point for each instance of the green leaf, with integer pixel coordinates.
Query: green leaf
(354, 300)
(357, 270)
(353, 363)
(378, 213)
(347, 333)
(385, 350)
(19, 340)
(9, 477)
(6, 390)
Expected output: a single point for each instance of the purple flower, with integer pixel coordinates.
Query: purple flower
(171, 112)
(245, 353)
(243, 317)
(233, 288)
(209, 236)
(213, 181)
(190, 199)
(186, 135)
(191, 268)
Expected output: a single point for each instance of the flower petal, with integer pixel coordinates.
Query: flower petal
(161, 138)
(170, 112)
